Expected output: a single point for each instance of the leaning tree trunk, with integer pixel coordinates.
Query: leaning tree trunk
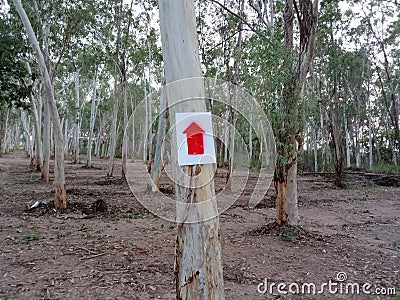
(285, 178)
(60, 200)
(198, 268)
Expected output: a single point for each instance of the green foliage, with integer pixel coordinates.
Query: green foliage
(289, 234)
(14, 79)
(29, 237)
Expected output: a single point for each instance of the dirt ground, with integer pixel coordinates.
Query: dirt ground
(121, 251)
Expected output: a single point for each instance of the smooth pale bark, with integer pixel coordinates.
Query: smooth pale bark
(357, 141)
(348, 158)
(133, 131)
(36, 125)
(314, 145)
(251, 139)
(5, 142)
(46, 143)
(150, 111)
(27, 134)
(92, 121)
(198, 268)
(147, 121)
(75, 158)
(125, 133)
(156, 169)
(59, 175)
(370, 132)
(113, 137)
(66, 131)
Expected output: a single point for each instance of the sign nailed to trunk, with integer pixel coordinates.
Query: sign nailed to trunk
(195, 138)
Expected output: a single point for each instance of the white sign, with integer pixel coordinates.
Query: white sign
(195, 138)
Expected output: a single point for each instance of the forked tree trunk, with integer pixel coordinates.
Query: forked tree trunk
(60, 200)
(198, 268)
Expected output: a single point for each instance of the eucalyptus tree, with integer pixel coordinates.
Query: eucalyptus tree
(59, 179)
(378, 26)
(289, 131)
(198, 269)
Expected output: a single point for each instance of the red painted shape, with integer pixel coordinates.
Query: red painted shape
(195, 139)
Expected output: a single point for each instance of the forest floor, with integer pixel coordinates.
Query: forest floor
(124, 252)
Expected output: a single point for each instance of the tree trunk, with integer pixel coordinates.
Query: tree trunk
(92, 121)
(287, 149)
(27, 133)
(75, 159)
(113, 137)
(59, 176)
(198, 268)
(125, 130)
(348, 161)
(314, 145)
(5, 143)
(156, 170)
(66, 131)
(233, 100)
(46, 143)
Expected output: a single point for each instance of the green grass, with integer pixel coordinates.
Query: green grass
(289, 234)
(385, 168)
(29, 237)
(109, 214)
(127, 216)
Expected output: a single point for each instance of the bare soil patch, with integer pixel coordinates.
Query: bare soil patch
(107, 246)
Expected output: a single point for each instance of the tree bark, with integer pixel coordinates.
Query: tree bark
(46, 143)
(156, 169)
(60, 200)
(290, 140)
(113, 138)
(198, 268)
(92, 121)
(75, 159)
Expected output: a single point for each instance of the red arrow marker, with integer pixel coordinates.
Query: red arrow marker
(195, 139)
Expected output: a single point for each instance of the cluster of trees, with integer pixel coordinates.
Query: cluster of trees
(326, 74)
